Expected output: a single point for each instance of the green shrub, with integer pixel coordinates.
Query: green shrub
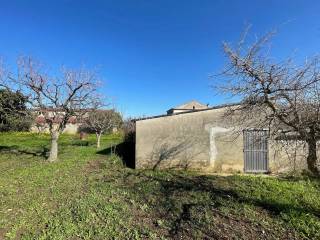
(14, 115)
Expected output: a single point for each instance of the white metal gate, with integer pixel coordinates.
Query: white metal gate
(255, 150)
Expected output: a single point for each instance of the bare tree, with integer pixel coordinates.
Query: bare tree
(102, 121)
(58, 98)
(280, 94)
(3, 75)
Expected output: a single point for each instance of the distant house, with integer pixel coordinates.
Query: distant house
(194, 135)
(73, 126)
(40, 124)
(189, 106)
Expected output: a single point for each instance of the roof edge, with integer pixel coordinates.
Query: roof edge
(191, 111)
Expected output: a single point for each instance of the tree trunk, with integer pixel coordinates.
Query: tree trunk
(98, 139)
(53, 156)
(312, 154)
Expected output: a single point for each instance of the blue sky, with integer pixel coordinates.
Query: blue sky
(152, 55)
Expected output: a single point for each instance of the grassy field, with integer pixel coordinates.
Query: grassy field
(89, 194)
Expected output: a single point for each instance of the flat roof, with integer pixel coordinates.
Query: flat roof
(191, 111)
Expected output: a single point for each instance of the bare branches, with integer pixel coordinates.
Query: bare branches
(65, 95)
(279, 94)
(3, 75)
(57, 97)
(101, 121)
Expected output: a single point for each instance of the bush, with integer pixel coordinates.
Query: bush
(129, 129)
(14, 115)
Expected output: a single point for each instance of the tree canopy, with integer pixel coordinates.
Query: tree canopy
(14, 115)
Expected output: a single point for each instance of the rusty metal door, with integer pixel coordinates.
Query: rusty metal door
(255, 150)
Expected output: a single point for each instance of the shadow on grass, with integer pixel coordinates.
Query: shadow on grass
(125, 150)
(14, 149)
(80, 143)
(180, 199)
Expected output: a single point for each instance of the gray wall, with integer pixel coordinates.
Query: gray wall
(202, 140)
(190, 140)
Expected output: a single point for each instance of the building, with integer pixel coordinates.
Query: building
(39, 125)
(200, 138)
(189, 106)
(74, 125)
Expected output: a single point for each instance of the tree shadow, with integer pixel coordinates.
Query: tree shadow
(125, 150)
(173, 202)
(80, 143)
(14, 149)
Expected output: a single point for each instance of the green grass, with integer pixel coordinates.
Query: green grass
(91, 195)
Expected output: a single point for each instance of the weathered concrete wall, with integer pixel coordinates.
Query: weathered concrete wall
(190, 140)
(203, 140)
(288, 155)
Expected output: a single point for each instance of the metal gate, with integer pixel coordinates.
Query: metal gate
(255, 150)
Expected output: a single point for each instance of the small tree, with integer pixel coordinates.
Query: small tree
(59, 98)
(102, 121)
(281, 94)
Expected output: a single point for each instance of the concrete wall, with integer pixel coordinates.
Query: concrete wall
(202, 140)
(190, 140)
